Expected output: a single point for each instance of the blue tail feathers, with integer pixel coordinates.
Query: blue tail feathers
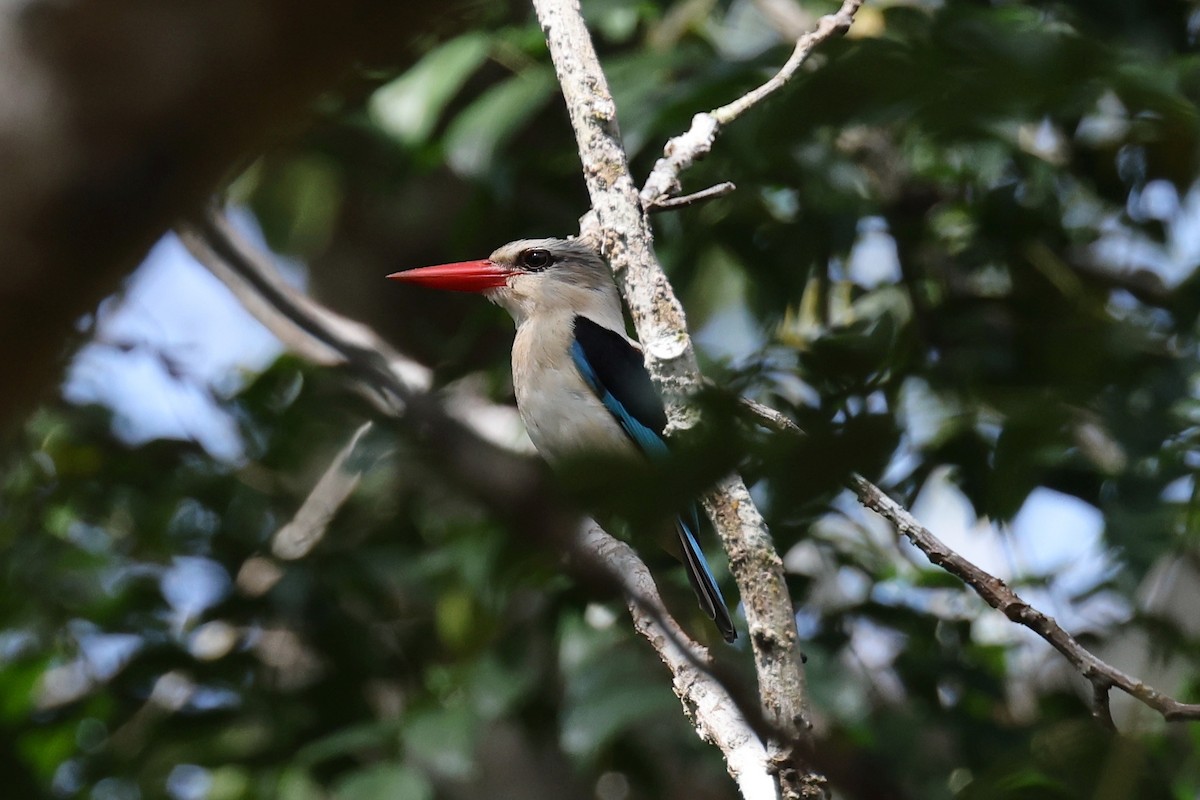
(702, 580)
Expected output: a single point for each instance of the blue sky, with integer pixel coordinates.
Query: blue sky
(166, 345)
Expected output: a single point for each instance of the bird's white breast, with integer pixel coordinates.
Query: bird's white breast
(561, 413)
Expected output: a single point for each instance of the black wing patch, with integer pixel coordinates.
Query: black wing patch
(617, 370)
(614, 370)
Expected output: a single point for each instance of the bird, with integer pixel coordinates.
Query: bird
(580, 382)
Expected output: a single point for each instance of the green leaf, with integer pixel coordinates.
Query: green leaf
(297, 784)
(384, 782)
(45, 748)
(297, 203)
(408, 108)
(478, 132)
(456, 618)
(606, 692)
(229, 783)
(443, 740)
(349, 740)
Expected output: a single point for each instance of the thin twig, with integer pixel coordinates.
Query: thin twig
(997, 594)
(1101, 704)
(306, 529)
(684, 150)
(773, 419)
(704, 195)
(1102, 676)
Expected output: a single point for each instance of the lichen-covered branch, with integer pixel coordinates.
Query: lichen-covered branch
(713, 711)
(624, 236)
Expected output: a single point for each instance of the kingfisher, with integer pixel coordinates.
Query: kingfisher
(580, 381)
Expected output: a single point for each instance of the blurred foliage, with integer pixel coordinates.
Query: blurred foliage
(963, 248)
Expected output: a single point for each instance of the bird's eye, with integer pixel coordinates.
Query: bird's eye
(536, 259)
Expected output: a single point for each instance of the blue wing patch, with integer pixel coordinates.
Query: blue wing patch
(613, 370)
(647, 440)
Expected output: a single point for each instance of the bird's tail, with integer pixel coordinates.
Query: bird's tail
(702, 580)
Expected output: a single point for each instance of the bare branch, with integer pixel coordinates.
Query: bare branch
(997, 594)
(827, 26)
(684, 150)
(704, 195)
(716, 714)
(625, 239)
(775, 420)
(1102, 676)
(305, 530)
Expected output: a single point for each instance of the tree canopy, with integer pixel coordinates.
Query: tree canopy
(961, 256)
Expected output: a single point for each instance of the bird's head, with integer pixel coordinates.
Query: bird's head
(528, 277)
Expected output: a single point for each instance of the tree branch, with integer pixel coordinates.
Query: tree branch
(997, 594)
(1102, 676)
(702, 196)
(715, 713)
(684, 150)
(625, 239)
(307, 527)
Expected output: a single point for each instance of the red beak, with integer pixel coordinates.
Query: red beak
(465, 276)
